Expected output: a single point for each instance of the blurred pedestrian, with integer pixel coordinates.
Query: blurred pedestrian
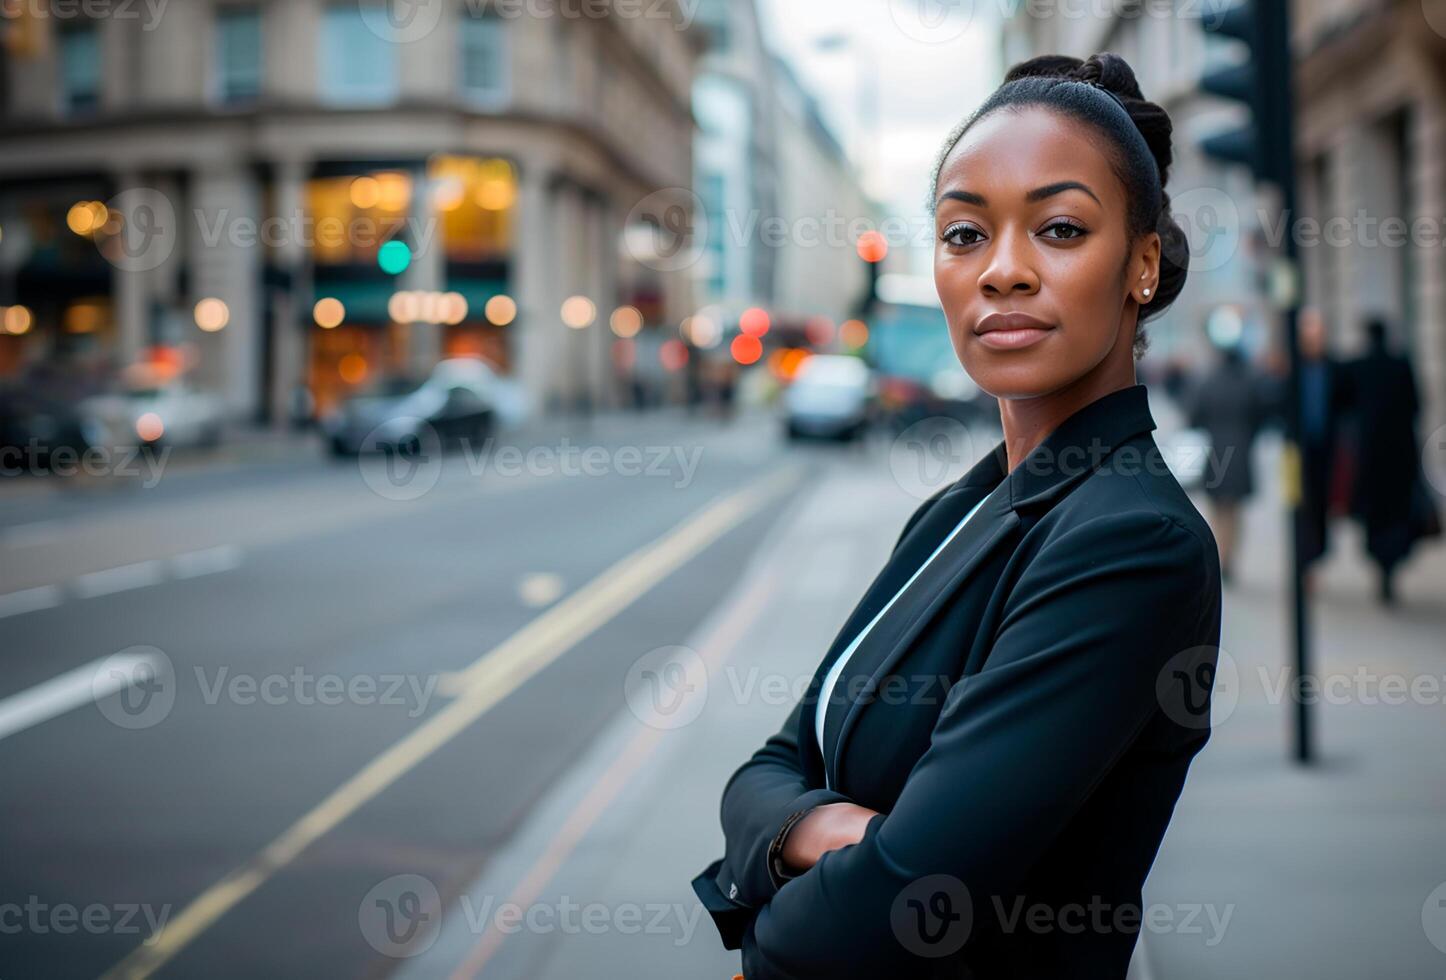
(1388, 461)
(1325, 395)
(1230, 404)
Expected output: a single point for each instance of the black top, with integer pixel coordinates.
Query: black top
(1023, 719)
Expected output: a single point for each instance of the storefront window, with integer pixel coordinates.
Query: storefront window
(474, 201)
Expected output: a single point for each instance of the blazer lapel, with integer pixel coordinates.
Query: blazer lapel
(891, 637)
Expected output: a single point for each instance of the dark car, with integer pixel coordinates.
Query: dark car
(455, 405)
(36, 422)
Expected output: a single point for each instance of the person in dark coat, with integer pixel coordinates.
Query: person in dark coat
(1230, 404)
(1387, 404)
(1325, 395)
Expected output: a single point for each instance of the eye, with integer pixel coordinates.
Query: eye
(961, 235)
(1067, 230)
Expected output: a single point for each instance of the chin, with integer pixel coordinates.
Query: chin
(1017, 374)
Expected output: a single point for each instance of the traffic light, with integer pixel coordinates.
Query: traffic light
(1260, 81)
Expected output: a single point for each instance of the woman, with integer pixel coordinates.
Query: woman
(981, 772)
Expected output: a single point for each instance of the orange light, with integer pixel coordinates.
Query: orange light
(453, 308)
(150, 427)
(754, 322)
(746, 349)
(328, 312)
(873, 246)
(626, 321)
(785, 362)
(578, 312)
(854, 333)
(18, 320)
(212, 314)
(365, 193)
(405, 307)
(395, 191)
(352, 368)
(81, 218)
(501, 310)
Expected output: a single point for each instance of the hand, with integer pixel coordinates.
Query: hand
(825, 829)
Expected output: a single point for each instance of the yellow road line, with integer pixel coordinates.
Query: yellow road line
(490, 679)
(719, 644)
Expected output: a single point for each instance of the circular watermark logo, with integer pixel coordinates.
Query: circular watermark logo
(667, 688)
(932, 916)
(141, 231)
(401, 916)
(930, 454)
(1199, 687)
(667, 230)
(1433, 460)
(401, 459)
(932, 21)
(135, 688)
(401, 21)
(1211, 223)
(1433, 917)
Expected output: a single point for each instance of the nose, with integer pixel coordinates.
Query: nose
(1010, 269)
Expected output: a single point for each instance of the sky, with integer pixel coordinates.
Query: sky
(934, 60)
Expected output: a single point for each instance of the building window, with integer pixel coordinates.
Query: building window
(80, 67)
(484, 58)
(358, 65)
(238, 54)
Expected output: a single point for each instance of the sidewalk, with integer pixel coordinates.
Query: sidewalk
(1323, 872)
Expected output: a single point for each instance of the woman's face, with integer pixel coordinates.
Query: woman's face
(1032, 257)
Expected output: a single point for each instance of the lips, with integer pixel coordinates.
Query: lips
(1011, 331)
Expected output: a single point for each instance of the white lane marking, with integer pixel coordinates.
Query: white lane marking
(137, 575)
(540, 588)
(71, 690)
(208, 561)
(29, 600)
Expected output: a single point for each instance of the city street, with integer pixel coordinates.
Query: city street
(283, 630)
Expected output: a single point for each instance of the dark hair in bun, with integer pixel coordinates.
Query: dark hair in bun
(1102, 91)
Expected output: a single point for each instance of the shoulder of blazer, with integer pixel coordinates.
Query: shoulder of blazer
(1119, 488)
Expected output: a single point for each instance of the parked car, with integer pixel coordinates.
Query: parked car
(35, 423)
(830, 396)
(171, 413)
(457, 402)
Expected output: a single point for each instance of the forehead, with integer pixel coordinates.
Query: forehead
(1019, 149)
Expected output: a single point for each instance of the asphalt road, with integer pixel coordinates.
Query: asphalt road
(330, 674)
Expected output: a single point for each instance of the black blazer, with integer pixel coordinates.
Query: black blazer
(1022, 719)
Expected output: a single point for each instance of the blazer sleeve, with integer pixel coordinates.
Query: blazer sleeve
(768, 793)
(1070, 682)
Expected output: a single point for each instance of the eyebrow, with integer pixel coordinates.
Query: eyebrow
(1038, 194)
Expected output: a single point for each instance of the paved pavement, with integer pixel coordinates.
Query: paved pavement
(1335, 871)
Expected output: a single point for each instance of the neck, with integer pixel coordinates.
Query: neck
(1028, 421)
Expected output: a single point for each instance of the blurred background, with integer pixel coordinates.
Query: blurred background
(439, 439)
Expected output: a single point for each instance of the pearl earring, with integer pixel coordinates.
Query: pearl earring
(1147, 292)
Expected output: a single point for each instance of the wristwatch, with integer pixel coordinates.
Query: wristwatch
(776, 866)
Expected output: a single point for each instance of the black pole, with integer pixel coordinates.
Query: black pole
(1277, 132)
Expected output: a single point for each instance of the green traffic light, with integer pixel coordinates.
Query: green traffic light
(394, 257)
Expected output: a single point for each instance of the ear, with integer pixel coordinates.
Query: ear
(1143, 279)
